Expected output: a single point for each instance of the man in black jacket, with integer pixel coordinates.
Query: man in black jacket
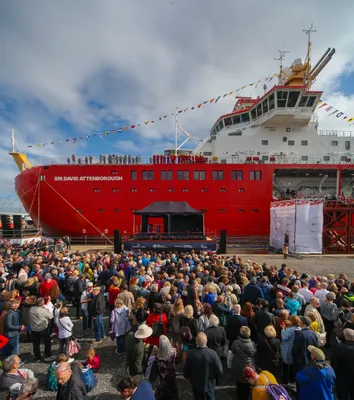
(70, 383)
(202, 368)
(234, 324)
(263, 317)
(342, 362)
(79, 287)
(216, 336)
(96, 311)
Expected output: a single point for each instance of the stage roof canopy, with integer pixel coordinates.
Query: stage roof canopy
(158, 208)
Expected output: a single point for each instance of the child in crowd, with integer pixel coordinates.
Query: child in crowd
(314, 322)
(93, 360)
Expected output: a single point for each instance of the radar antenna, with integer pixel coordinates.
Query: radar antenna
(280, 59)
(308, 56)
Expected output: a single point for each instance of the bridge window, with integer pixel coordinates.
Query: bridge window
(148, 175)
(265, 158)
(265, 105)
(115, 190)
(245, 117)
(133, 175)
(264, 142)
(304, 158)
(304, 142)
(292, 99)
(166, 175)
(253, 113)
(236, 119)
(218, 175)
(303, 101)
(326, 158)
(207, 153)
(183, 175)
(96, 190)
(334, 142)
(311, 101)
(259, 110)
(228, 121)
(347, 145)
(271, 102)
(221, 124)
(343, 158)
(291, 142)
(282, 97)
(199, 175)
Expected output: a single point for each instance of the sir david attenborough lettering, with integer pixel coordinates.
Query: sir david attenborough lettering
(87, 178)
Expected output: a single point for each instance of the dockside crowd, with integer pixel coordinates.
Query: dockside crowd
(273, 332)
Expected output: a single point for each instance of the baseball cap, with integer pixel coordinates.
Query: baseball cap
(316, 353)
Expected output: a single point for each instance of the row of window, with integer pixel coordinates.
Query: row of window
(222, 190)
(305, 143)
(198, 175)
(284, 99)
(222, 210)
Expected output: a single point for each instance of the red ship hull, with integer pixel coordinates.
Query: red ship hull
(90, 200)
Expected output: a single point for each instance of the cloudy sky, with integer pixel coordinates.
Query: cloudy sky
(71, 68)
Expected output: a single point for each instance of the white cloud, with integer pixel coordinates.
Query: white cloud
(137, 60)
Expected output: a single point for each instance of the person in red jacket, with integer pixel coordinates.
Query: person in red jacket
(157, 316)
(45, 286)
(93, 360)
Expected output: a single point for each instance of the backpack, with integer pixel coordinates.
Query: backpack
(185, 333)
(89, 378)
(276, 391)
(350, 297)
(52, 382)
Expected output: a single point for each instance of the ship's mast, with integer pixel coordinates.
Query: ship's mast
(13, 140)
(308, 56)
(280, 59)
(194, 139)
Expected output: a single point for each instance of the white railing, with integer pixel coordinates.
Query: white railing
(336, 133)
(236, 159)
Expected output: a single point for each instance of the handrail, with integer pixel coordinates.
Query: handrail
(336, 133)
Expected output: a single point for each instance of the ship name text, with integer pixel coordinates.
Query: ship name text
(87, 178)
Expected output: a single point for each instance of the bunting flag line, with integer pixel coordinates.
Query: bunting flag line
(213, 100)
(336, 112)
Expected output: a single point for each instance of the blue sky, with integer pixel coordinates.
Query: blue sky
(74, 68)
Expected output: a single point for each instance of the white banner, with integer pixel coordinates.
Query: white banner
(302, 220)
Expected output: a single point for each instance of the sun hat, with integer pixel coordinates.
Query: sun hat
(143, 332)
(316, 353)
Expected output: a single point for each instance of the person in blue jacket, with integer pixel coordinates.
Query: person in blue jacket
(252, 292)
(317, 380)
(131, 390)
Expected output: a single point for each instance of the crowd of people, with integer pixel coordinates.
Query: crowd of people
(270, 331)
(128, 159)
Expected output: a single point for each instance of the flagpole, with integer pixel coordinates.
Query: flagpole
(176, 136)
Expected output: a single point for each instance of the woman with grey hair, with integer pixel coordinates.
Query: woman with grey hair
(166, 388)
(216, 335)
(244, 351)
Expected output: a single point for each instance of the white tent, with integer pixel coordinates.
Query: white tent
(302, 220)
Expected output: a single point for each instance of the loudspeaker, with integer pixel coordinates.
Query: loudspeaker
(117, 242)
(7, 231)
(222, 242)
(17, 224)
